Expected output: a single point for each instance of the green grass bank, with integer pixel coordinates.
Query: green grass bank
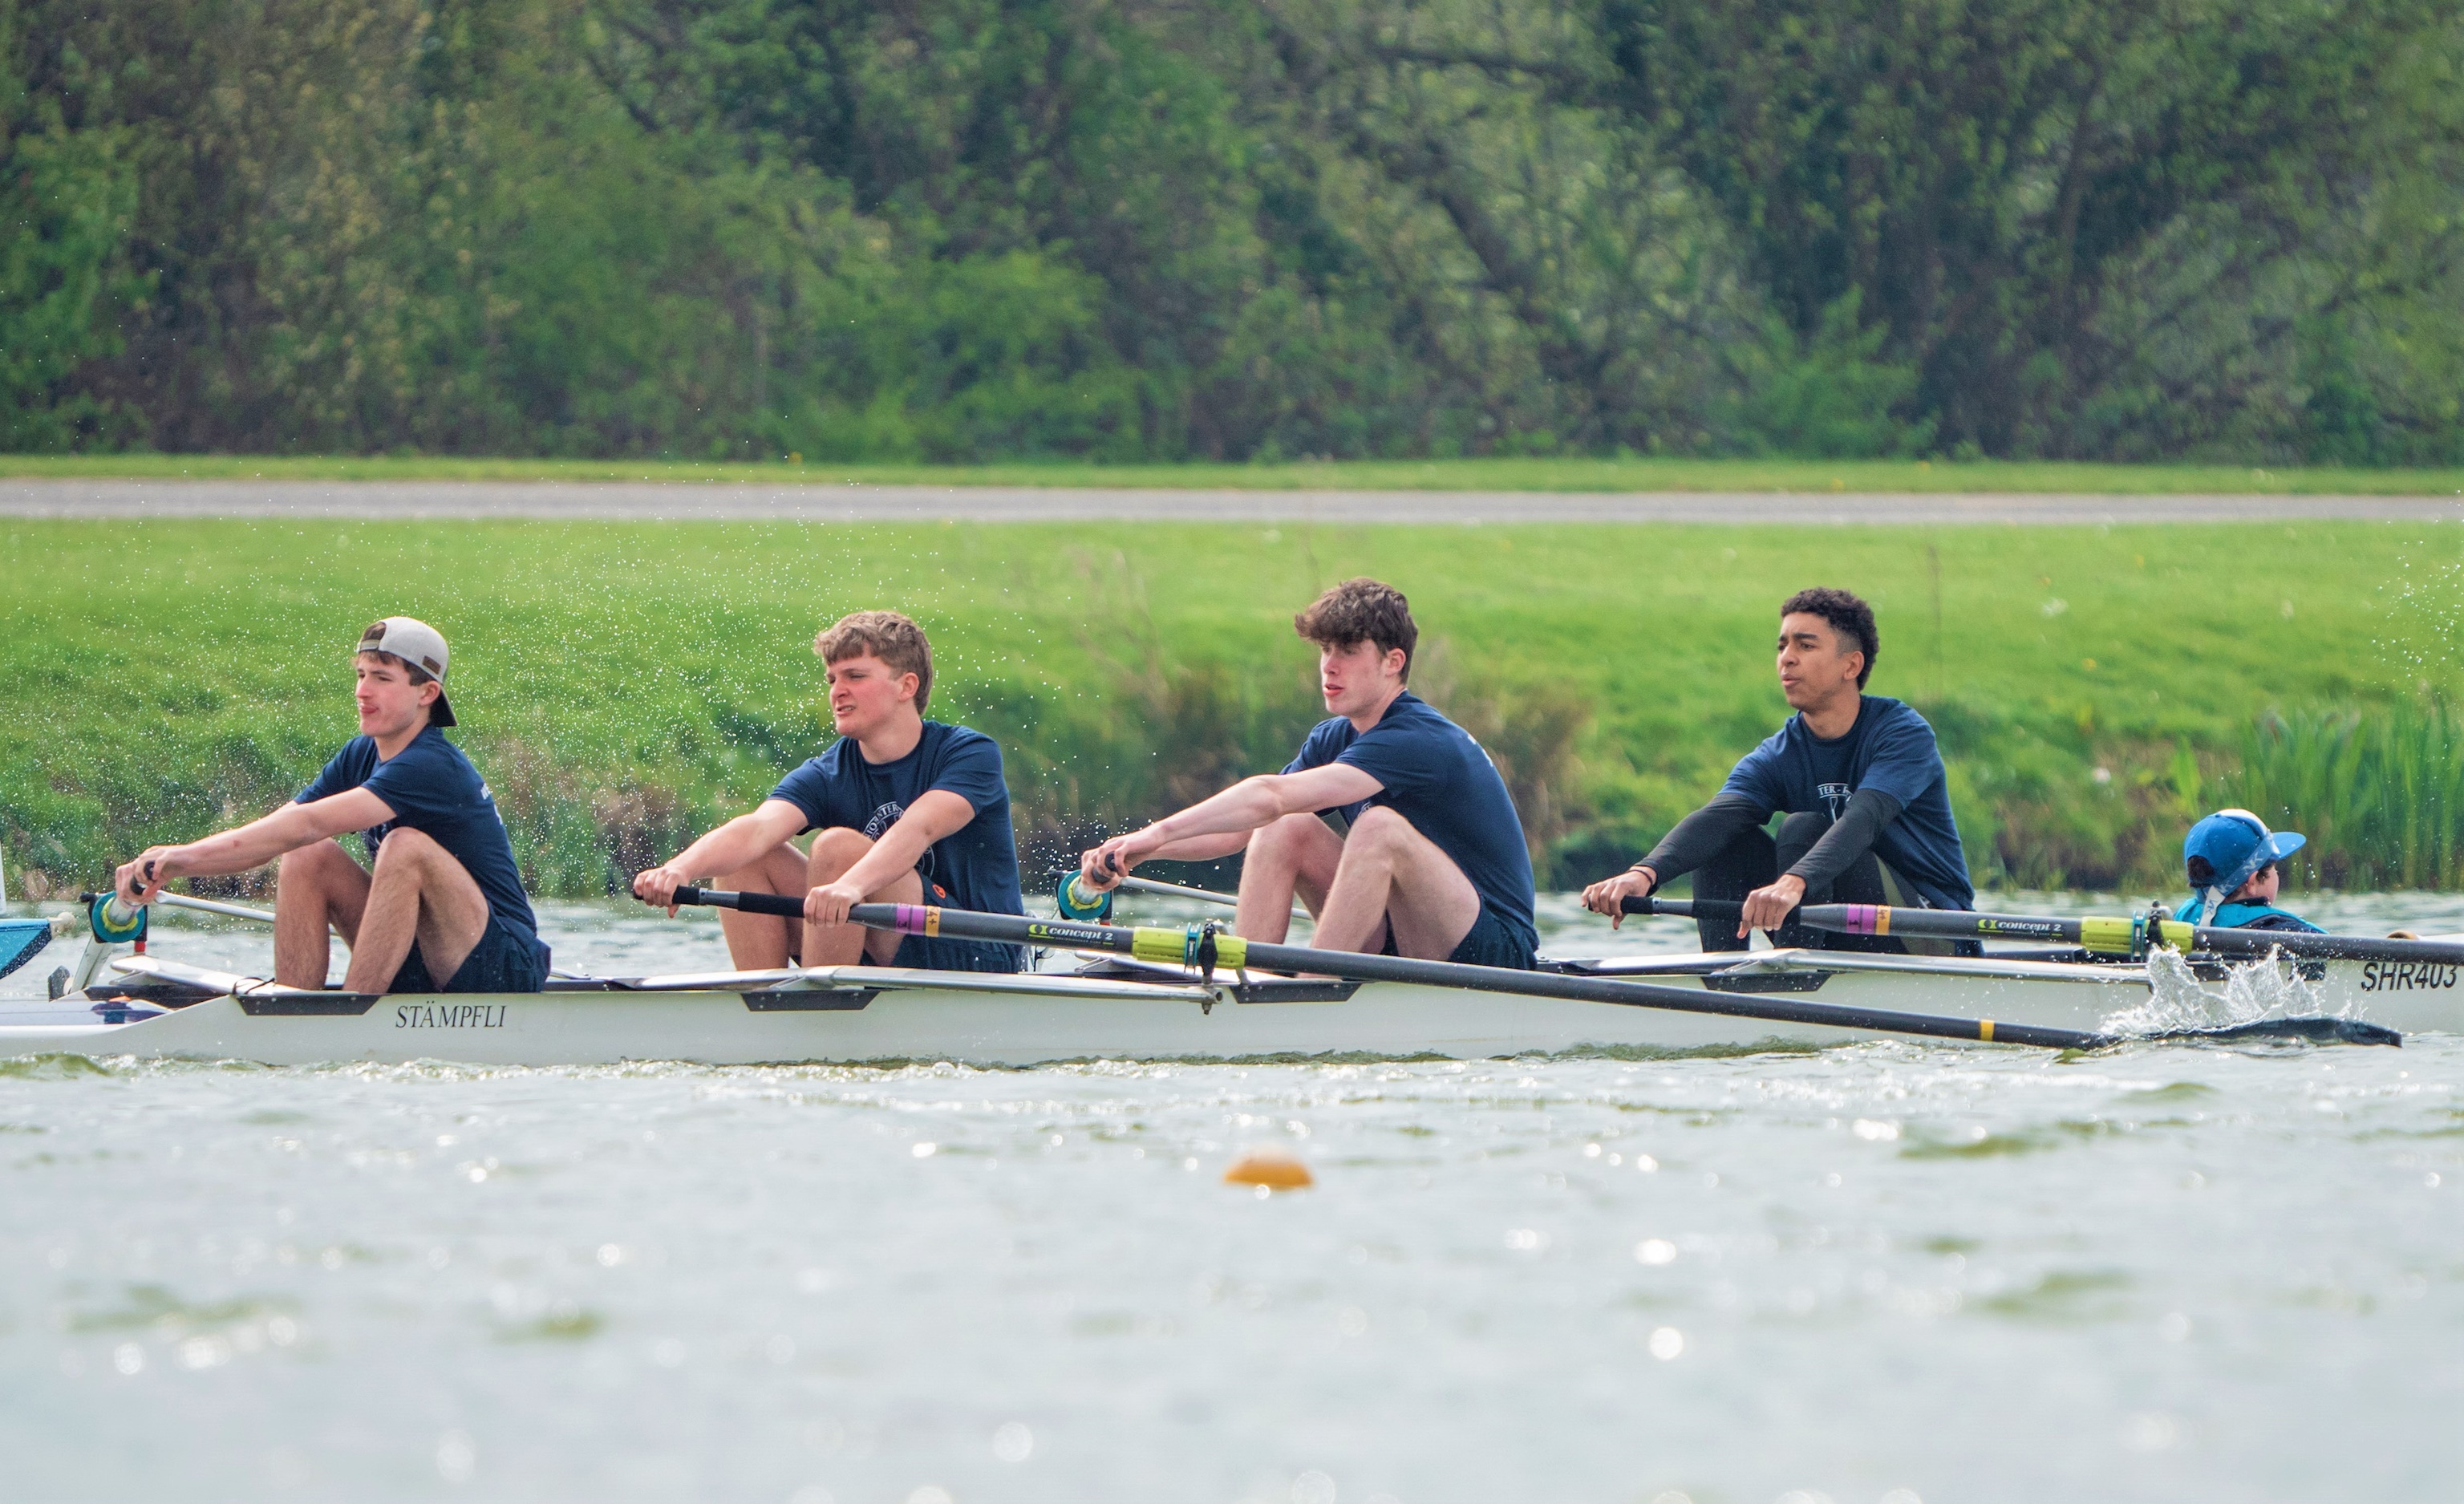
(1543, 474)
(623, 684)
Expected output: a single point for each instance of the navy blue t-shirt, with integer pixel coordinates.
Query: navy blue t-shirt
(1438, 778)
(974, 867)
(1890, 748)
(433, 788)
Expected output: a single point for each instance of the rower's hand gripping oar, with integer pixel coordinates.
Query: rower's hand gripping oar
(1205, 948)
(1837, 918)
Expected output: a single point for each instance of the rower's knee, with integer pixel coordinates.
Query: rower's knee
(404, 847)
(835, 850)
(1797, 834)
(313, 871)
(1286, 836)
(1378, 829)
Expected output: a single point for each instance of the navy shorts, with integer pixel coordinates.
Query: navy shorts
(508, 959)
(1490, 941)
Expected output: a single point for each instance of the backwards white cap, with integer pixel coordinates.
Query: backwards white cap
(415, 642)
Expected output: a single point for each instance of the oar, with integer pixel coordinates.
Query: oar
(1206, 948)
(1076, 904)
(174, 901)
(2125, 937)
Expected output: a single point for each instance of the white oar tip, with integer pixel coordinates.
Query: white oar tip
(1270, 1168)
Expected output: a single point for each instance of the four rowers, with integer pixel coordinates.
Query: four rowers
(1390, 825)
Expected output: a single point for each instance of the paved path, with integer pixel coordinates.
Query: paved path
(648, 500)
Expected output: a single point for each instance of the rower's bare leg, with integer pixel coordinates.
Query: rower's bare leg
(1292, 857)
(418, 892)
(1390, 874)
(764, 941)
(319, 889)
(835, 850)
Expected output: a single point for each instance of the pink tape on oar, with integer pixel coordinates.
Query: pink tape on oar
(1865, 918)
(912, 919)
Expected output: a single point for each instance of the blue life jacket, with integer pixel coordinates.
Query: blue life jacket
(2248, 917)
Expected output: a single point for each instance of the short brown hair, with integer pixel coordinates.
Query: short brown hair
(1361, 610)
(888, 635)
(1848, 615)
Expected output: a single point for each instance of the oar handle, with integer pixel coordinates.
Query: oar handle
(1686, 908)
(785, 908)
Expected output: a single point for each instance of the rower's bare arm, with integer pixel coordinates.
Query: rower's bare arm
(738, 843)
(1220, 824)
(932, 816)
(253, 845)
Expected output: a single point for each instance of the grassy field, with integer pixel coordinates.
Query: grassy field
(623, 684)
(1458, 474)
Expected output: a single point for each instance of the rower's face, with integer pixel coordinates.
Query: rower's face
(1813, 668)
(865, 693)
(1357, 677)
(389, 703)
(2264, 885)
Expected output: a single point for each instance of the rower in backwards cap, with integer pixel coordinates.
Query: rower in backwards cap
(440, 906)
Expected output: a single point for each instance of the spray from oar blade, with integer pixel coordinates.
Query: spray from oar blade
(1205, 949)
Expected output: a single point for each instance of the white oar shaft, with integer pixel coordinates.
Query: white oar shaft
(1202, 895)
(209, 906)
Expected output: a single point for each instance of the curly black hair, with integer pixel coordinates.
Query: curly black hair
(1848, 615)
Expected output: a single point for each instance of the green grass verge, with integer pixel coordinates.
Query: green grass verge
(623, 684)
(1460, 474)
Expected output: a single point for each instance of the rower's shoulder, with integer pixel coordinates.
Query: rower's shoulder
(948, 737)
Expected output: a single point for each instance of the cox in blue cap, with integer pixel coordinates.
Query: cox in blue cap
(2232, 858)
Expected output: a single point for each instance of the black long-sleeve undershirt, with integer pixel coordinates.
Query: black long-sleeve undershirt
(1700, 836)
(1850, 837)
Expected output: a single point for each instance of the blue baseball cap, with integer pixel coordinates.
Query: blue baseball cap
(2237, 845)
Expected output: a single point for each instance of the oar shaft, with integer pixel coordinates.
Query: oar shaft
(1186, 947)
(1202, 947)
(2122, 936)
(209, 906)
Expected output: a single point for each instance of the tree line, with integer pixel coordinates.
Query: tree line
(966, 229)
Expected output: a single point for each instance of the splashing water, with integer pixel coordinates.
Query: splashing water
(2179, 997)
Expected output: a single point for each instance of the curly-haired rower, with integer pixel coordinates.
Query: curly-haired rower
(1862, 785)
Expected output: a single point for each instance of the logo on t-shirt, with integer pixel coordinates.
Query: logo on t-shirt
(1835, 796)
(883, 819)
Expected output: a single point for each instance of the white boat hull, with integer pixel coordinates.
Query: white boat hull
(859, 1015)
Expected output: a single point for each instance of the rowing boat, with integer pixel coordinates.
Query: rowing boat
(1123, 1007)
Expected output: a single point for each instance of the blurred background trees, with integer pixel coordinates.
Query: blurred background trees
(954, 230)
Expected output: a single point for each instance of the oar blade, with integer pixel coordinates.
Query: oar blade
(2317, 1029)
(21, 941)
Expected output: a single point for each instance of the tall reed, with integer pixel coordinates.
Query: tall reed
(2381, 796)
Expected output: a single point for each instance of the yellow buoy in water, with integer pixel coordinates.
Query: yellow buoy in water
(1268, 1167)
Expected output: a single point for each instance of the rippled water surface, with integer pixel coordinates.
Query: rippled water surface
(1878, 1273)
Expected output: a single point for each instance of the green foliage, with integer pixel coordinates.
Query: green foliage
(67, 199)
(971, 230)
(2381, 796)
